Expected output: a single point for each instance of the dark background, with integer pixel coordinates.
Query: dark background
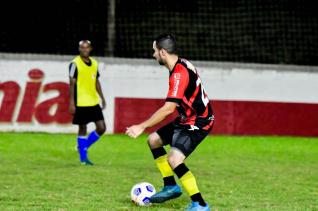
(267, 31)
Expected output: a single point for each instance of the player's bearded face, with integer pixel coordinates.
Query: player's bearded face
(156, 55)
(160, 61)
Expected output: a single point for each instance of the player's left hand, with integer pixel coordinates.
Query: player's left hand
(135, 131)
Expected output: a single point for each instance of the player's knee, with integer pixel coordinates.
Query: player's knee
(101, 129)
(153, 141)
(174, 160)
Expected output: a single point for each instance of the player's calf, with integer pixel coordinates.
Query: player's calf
(189, 183)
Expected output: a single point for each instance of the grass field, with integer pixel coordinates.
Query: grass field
(41, 172)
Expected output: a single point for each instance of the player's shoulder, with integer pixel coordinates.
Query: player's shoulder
(184, 67)
(72, 65)
(75, 59)
(180, 66)
(188, 65)
(179, 72)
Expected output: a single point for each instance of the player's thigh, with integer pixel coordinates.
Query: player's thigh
(82, 129)
(166, 133)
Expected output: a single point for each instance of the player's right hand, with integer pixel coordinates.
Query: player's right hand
(71, 109)
(135, 130)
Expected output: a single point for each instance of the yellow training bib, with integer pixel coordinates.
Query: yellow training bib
(86, 92)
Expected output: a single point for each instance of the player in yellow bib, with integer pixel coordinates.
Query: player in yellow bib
(85, 94)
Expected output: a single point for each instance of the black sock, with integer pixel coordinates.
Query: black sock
(158, 152)
(169, 181)
(181, 170)
(198, 198)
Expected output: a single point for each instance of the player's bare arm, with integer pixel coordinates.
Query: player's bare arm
(71, 92)
(162, 113)
(100, 93)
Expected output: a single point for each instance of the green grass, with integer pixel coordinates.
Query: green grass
(41, 172)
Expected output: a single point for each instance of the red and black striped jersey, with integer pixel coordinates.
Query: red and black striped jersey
(186, 89)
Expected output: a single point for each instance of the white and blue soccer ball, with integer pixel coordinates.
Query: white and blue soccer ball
(141, 193)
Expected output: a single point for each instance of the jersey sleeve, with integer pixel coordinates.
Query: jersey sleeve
(73, 70)
(178, 82)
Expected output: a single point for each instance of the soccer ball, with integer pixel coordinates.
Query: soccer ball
(141, 193)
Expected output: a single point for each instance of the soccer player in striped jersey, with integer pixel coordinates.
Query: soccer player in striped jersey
(186, 95)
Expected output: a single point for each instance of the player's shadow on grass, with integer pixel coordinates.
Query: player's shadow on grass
(176, 204)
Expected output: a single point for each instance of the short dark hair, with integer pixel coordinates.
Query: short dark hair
(167, 42)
